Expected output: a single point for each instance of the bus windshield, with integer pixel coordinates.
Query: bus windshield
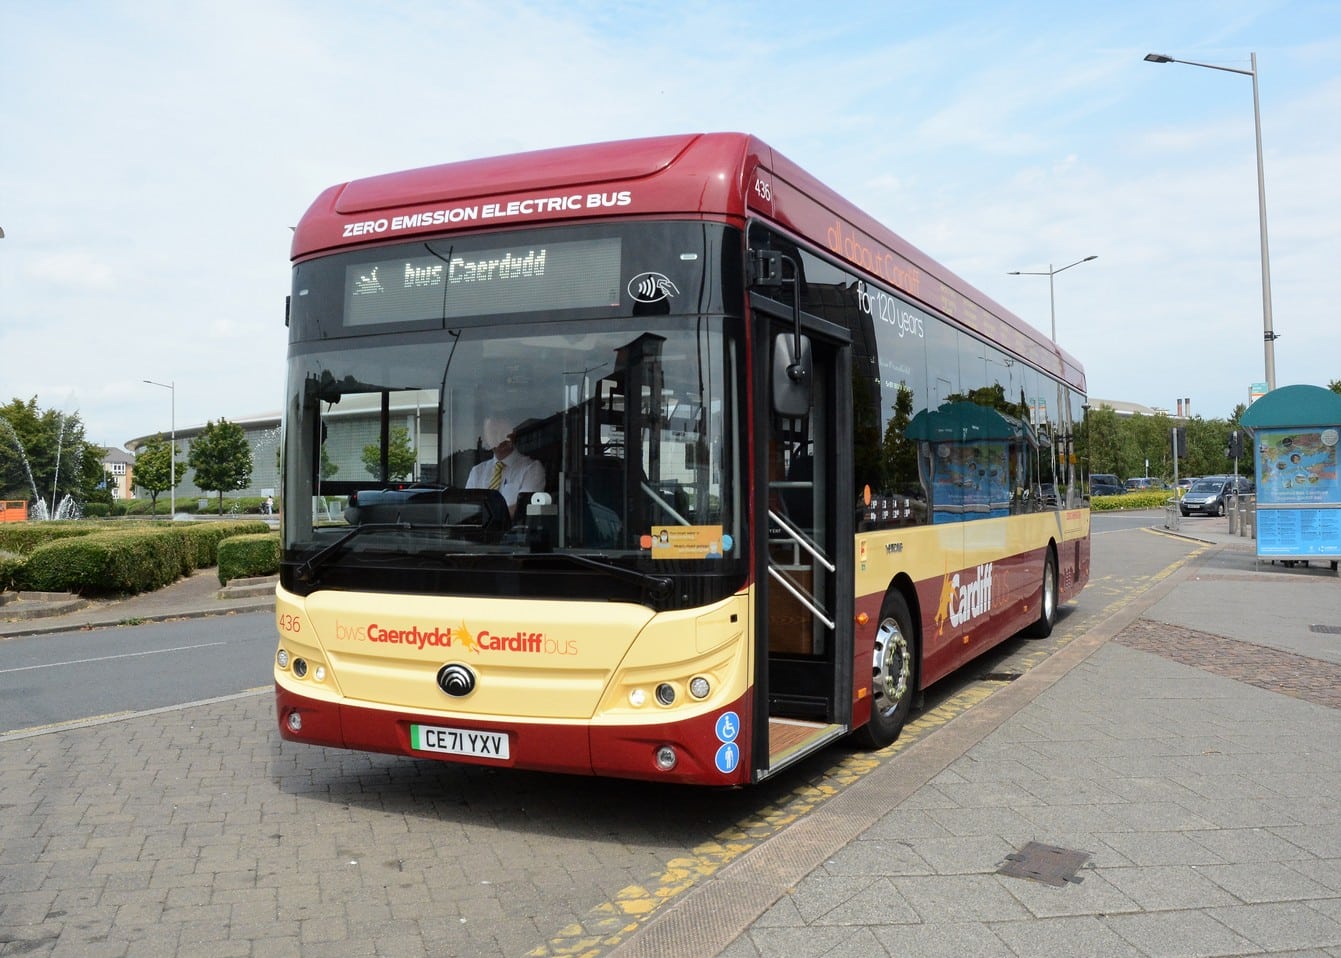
(619, 440)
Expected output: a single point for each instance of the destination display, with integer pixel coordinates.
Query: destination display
(538, 276)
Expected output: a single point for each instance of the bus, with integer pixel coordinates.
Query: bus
(772, 471)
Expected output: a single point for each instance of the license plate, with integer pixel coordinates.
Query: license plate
(459, 741)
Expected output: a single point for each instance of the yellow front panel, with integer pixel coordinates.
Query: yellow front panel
(534, 659)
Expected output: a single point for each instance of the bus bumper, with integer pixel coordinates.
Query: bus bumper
(703, 753)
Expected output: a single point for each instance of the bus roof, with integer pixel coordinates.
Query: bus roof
(727, 175)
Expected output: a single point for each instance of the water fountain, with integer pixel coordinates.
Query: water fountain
(67, 508)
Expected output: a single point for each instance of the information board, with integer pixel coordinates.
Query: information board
(1298, 493)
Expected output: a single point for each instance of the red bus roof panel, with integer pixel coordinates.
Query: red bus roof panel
(672, 175)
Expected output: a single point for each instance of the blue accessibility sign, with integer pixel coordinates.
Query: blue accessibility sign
(728, 727)
(728, 757)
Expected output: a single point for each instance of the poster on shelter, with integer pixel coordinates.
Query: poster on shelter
(1299, 532)
(1297, 467)
(1298, 493)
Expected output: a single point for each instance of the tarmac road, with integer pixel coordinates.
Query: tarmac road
(48, 679)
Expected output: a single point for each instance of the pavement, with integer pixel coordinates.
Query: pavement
(199, 594)
(1168, 783)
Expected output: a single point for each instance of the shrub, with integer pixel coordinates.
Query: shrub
(1145, 499)
(11, 569)
(121, 562)
(117, 557)
(248, 555)
(200, 540)
(24, 537)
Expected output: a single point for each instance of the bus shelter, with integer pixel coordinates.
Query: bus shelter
(1295, 430)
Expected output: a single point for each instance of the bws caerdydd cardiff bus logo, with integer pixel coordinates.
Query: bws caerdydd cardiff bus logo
(536, 643)
(963, 600)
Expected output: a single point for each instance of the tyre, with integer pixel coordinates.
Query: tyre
(1220, 509)
(892, 674)
(1185, 512)
(1047, 601)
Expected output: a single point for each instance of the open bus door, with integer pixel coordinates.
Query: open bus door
(804, 580)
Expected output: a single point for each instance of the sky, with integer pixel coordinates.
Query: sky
(155, 155)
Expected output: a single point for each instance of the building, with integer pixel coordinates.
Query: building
(1128, 409)
(262, 432)
(119, 468)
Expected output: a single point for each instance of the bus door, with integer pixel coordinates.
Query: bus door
(805, 583)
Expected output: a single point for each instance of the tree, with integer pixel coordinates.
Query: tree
(1335, 385)
(44, 455)
(1150, 441)
(1109, 444)
(399, 456)
(221, 458)
(154, 471)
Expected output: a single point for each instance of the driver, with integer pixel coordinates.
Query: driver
(509, 471)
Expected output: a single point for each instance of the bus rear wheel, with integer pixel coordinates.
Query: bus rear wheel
(892, 673)
(1047, 601)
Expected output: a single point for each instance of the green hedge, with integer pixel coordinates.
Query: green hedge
(11, 565)
(126, 558)
(24, 537)
(248, 555)
(141, 507)
(1146, 499)
(200, 540)
(124, 561)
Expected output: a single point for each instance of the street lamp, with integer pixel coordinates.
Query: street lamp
(1052, 297)
(172, 473)
(1268, 334)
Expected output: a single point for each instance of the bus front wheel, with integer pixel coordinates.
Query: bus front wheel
(892, 674)
(1047, 601)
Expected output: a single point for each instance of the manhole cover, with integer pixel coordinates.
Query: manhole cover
(1046, 863)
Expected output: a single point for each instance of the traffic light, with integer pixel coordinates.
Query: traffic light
(1180, 441)
(1235, 450)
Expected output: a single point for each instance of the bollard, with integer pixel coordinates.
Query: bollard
(1235, 517)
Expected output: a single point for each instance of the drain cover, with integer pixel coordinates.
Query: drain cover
(1326, 629)
(1046, 863)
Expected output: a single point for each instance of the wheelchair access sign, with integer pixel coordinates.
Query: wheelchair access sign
(728, 755)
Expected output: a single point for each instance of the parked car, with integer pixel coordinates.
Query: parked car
(1146, 482)
(1210, 494)
(1105, 484)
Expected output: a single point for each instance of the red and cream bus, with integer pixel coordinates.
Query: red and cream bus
(771, 471)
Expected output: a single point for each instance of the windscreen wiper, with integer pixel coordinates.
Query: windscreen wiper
(658, 587)
(307, 571)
